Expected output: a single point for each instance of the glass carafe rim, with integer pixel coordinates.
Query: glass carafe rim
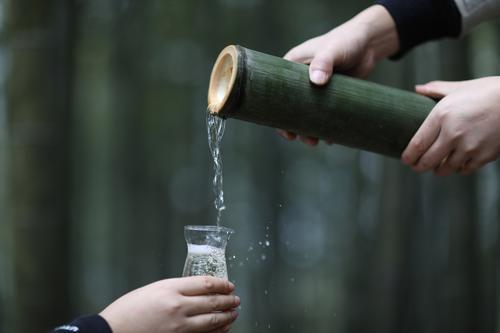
(209, 228)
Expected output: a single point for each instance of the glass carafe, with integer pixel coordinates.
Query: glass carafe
(206, 246)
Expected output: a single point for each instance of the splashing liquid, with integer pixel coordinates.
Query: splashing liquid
(215, 128)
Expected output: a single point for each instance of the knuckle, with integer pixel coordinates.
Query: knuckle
(456, 135)
(471, 149)
(322, 62)
(443, 114)
(175, 326)
(418, 145)
(227, 286)
(208, 283)
(173, 306)
(214, 320)
(215, 303)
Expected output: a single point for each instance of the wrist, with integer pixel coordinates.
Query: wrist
(380, 28)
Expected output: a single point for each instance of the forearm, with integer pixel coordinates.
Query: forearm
(381, 30)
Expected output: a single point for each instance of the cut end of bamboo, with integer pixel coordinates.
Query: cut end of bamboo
(222, 79)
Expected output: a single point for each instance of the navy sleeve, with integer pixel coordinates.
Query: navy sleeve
(418, 21)
(87, 324)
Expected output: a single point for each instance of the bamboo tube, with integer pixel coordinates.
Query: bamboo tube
(268, 90)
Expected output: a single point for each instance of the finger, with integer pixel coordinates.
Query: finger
(321, 67)
(422, 140)
(211, 303)
(310, 141)
(211, 321)
(438, 89)
(476, 163)
(302, 53)
(444, 170)
(457, 160)
(470, 166)
(433, 157)
(203, 285)
(287, 135)
(453, 163)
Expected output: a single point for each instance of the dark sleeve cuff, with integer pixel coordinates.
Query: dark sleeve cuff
(418, 21)
(87, 324)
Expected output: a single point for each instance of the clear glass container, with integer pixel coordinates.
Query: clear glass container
(206, 245)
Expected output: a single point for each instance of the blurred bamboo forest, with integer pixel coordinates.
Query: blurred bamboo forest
(104, 159)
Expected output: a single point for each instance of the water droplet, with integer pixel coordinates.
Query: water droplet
(263, 257)
(240, 263)
(268, 325)
(265, 292)
(267, 235)
(292, 280)
(234, 257)
(267, 243)
(250, 248)
(260, 243)
(267, 227)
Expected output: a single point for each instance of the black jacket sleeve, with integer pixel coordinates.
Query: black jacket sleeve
(87, 324)
(418, 21)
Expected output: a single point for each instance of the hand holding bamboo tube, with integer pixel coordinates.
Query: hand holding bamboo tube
(353, 48)
(461, 133)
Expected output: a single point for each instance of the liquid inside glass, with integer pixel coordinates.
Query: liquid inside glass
(205, 260)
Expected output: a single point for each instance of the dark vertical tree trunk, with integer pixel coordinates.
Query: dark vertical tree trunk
(39, 35)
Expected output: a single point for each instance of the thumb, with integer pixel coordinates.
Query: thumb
(321, 68)
(438, 89)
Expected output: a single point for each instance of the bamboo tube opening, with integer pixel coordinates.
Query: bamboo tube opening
(222, 78)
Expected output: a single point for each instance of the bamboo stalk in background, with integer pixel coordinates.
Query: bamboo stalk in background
(38, 103)
(268, 90)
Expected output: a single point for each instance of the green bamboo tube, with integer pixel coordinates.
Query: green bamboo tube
(268, 90)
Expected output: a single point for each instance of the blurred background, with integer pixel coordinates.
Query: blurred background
(104, 158)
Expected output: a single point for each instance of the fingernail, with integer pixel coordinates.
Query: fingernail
(319, 77)
(234, 314)
(237, 300)
(231, 285)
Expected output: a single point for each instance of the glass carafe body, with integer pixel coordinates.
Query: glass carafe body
(206, 250)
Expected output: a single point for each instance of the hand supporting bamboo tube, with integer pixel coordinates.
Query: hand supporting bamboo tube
(268, 90)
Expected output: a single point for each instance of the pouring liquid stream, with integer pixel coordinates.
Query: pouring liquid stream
(215, 129)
